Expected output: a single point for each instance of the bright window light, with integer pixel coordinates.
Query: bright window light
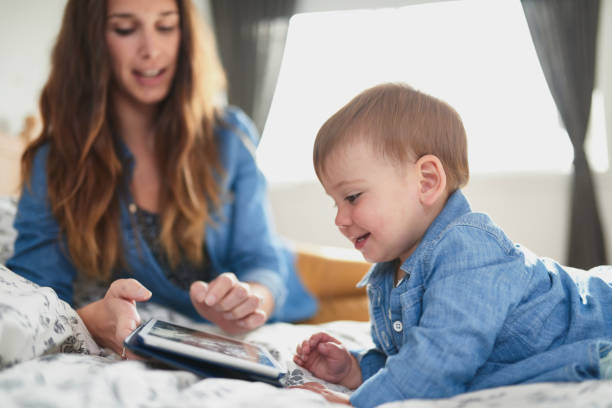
(475, 54)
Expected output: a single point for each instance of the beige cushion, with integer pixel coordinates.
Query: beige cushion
(331, 274)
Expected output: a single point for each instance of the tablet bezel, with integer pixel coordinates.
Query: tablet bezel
(209, 356)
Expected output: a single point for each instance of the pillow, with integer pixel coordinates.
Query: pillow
(35, 322)
(331, 274)
(8, 209)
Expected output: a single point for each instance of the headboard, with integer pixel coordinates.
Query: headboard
(11, 148)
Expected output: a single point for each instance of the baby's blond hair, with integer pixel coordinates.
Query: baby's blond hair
(401, 124)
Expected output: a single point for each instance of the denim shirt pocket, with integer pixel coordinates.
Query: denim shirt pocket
(412, 301)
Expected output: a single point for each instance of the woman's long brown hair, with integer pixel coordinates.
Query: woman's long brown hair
(84, 171)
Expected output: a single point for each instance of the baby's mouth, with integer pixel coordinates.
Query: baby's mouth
(361, 241)
(362, 238)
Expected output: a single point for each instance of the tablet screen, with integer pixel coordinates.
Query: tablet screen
(209, 347)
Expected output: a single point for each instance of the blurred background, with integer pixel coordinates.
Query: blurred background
(531, 80)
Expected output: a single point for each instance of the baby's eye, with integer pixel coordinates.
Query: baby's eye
(351, 198)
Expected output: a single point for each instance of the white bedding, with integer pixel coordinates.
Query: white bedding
(47, 358)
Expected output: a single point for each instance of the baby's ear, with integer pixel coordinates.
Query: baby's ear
(431, 179)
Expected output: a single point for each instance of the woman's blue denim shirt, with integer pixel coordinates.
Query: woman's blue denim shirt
(240, 240)
(477, 311)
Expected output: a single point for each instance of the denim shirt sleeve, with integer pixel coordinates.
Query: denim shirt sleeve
(254, 254)
(372, 360)
(472, 281)
(39, 255)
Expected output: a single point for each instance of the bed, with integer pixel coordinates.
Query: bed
(48, 358)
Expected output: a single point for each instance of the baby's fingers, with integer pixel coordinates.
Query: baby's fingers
(327, 349)
(321, 337)
(297, 360)
(306, 347)
(302, 351)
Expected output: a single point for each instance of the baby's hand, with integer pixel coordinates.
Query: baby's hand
(326, 357)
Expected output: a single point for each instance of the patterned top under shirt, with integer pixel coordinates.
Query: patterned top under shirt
(184, 272)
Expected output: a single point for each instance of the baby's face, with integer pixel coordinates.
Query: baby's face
(378, 207)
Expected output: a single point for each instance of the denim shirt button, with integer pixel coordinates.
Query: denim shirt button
(397, 326)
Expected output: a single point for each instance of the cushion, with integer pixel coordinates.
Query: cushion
(331, 275)
(35, 322)
(8, 209)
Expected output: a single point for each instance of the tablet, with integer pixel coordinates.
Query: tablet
(210, 348)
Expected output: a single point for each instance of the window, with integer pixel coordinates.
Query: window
(475, 54)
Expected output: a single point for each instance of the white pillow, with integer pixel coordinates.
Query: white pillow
(8, 209)
(34, 322)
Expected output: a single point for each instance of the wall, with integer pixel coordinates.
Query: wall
(27, 31)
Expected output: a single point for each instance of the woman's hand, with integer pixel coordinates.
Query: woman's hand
(234, 306)
(111, 319)
(326, 357)
(331, 396)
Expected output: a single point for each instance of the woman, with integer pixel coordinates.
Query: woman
(140, 178)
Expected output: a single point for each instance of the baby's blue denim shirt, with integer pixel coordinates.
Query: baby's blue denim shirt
(477, 311)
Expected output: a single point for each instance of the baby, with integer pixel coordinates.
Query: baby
(455, 306)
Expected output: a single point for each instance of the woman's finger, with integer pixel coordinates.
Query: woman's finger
(127, 325)
(237, 295)
(198, 291)
(219, 287)
(254, 320)
(248, 306)
(129, 289)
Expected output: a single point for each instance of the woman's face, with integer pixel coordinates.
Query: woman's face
(143, 39)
